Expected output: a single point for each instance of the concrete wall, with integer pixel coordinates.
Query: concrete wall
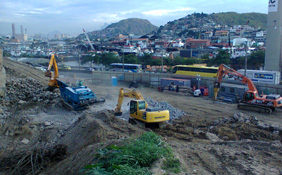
(2, 76)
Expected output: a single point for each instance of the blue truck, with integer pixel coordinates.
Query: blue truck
(77, 98)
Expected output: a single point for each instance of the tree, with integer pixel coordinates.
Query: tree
(191, 61)
(87, 58)
(108, 58)
(146, 59)
(223, 57)
(256, 59)
(179, 60)
(131, 59)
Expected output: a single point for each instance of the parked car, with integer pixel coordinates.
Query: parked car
(41, 68)
(89, 69)
(65, 67)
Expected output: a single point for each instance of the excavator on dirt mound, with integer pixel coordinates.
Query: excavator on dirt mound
(140, 113)
(74, 98)
(251, 101)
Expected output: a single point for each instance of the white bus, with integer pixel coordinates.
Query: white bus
(127, 67)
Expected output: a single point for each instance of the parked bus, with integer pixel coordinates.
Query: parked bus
(127, 67)
(194, 70)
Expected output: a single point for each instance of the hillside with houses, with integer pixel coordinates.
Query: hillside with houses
(194, 36)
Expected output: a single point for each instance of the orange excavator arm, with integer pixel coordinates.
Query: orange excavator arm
(52, 82)
(224, 70)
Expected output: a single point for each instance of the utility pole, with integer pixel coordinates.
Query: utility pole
(246, 59)
(123, 61)
(162, 61)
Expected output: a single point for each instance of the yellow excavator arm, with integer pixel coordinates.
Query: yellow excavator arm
(52, 82)
(130, 94)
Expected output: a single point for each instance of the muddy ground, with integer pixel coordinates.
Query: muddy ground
(40, 136)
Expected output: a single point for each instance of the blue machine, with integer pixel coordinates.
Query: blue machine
(77, 98)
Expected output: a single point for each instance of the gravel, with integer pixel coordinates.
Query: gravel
(174, 113)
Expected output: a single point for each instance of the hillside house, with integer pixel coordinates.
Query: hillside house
(197, 43)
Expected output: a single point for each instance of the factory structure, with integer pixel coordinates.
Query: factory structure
(273, 54)
(19, 37)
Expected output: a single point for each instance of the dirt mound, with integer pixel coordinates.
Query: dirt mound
(97, 127)
(91, 132)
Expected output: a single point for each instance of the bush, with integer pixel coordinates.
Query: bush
(135, 156)
(172, 164)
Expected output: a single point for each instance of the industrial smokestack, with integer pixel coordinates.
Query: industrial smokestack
(22, 32)
(14, 31)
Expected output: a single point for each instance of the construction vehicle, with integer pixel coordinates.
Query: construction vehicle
(251, 100)
(52, 84)
(74, 98)
(139, 110)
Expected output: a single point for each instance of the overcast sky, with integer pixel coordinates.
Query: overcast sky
(71, 16)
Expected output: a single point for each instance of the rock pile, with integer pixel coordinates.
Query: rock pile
(243, 118)
(173, 112)
(23, 90)
(20, 91)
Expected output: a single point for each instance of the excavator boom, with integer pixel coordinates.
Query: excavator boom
(139, 111)
(130, 94)
(52, 82)
(224, 70)
(251, 101)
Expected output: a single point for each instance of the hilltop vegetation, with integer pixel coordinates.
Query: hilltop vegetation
(133, 25)
(232, 18)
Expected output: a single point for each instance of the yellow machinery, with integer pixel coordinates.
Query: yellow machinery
(139, 108)
(52, 84)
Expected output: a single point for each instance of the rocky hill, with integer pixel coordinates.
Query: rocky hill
(134, 26)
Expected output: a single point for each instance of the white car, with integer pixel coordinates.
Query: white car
(41, 68)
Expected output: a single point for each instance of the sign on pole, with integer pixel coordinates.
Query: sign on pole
(272, 5)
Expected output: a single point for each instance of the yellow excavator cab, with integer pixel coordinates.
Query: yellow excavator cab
(139, 108)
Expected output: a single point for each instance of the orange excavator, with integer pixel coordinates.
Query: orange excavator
(251, 100)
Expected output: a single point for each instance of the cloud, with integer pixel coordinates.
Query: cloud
(163, 12)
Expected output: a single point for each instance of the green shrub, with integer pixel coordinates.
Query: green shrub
(135, 156)
(172, 164)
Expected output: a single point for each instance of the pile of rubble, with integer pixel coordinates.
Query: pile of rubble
(243, 118)
(20, 91)
(174, 113)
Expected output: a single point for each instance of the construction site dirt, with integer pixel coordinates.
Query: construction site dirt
(39, 136)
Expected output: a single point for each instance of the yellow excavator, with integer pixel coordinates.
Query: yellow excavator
(53, 83)
(139, 110)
